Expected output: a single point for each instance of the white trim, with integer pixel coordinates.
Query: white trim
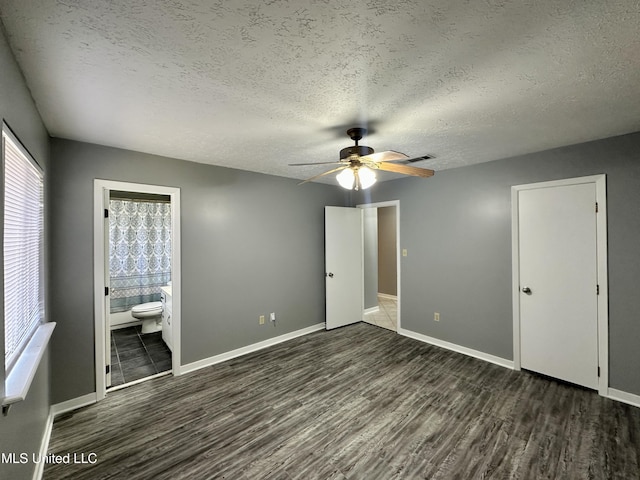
(600, 182)
(392, 203)
(223, 357)
(38, 472)
(624, 397)
(367, 311)
(386, 295)
(73, 404)
(21, 375)
(54, 411)
(515, 277)
(503, 362)
(99, 189)
(140, 380)
(603, 282)
(361, 266)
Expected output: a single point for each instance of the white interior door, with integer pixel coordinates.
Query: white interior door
(343, 266)
(558, 280)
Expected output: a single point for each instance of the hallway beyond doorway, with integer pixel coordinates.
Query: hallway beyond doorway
(387, 314)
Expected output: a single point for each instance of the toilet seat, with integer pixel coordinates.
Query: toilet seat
(146, 310)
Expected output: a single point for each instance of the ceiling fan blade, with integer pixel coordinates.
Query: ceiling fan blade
(405, 169)
(388, 156)
(323, 174)
(315, 163)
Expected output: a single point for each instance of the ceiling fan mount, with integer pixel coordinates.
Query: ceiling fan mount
(358, 163)
(356, 133)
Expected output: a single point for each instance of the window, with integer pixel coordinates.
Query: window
(23, 238)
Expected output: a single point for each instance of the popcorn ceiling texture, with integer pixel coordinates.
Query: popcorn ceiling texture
(257, 85)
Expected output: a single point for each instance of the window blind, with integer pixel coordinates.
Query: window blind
(23, 246)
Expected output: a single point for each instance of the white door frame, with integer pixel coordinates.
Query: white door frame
(99, 205)
(601, 242)
(392, 203)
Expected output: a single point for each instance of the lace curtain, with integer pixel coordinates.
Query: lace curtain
(139, 251)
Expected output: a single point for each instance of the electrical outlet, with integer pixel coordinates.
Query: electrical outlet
(261, 319)
(404, 252)
(436, 316)
(272, 317)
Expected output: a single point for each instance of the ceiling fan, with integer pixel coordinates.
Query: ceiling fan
(359, 162)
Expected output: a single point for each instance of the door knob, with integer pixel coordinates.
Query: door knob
(330, 274)
(526, 290)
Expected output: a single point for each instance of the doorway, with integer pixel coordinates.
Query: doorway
(381, 227)
(136, 264)
(560, 280)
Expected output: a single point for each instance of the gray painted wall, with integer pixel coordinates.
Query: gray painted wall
(457, 229)
(22, 429)
(370, 240)
(387, 251)
(251, 244)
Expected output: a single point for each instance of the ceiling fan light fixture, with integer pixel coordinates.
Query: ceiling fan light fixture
(346, 178)
(367, 177)
(359, 178)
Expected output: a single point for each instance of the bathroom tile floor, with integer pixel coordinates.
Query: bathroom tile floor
(135, 356)
(387, 314)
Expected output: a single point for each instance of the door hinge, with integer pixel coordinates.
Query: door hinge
(106, 213)
(108, 369)
(598, 371)
(597, 289)
(596, 207)
(106, 291)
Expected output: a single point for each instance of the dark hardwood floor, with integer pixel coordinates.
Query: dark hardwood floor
(359, 402)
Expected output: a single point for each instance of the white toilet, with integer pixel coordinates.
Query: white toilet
(151, 315)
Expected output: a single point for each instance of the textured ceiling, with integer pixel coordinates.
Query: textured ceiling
(259, 84)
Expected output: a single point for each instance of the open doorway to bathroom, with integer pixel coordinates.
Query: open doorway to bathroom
(381, 264)
(138, 258)
(137, 283)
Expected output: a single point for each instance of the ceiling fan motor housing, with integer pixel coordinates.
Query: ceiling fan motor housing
(360, 150)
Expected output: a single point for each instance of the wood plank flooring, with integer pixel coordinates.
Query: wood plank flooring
(359, 402)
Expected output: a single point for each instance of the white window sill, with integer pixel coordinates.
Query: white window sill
(19, 379)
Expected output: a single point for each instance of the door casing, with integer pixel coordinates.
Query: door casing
(100, 203)
(396, 204)
(601, 260)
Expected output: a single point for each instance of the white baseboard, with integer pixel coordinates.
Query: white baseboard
(386, 295)
(73, 404)
(44, 446)
(223, 357)
(371, 310)
(54, 411)
(135, 323)
(503, 362)
(623, 397)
